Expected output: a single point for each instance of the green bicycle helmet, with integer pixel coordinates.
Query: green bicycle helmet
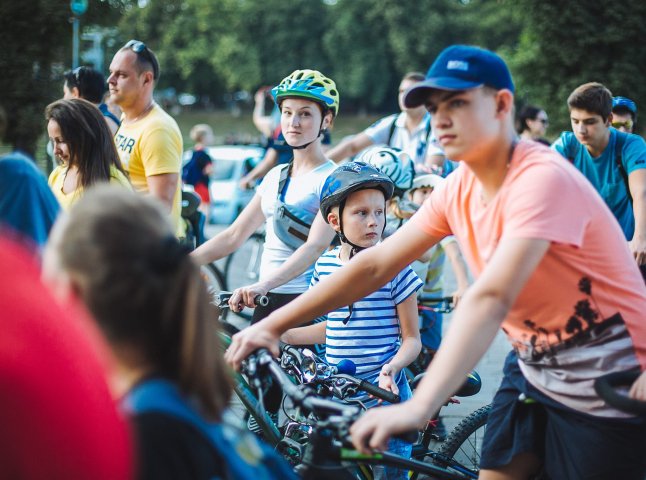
(309, 84)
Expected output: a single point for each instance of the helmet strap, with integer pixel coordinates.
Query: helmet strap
(321, 130)
(355, 248)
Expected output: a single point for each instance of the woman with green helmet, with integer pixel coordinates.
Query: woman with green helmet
(287, 200)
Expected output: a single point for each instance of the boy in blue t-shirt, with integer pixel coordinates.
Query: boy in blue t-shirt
(613, 161)
(380, 332)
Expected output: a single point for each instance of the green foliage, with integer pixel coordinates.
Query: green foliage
(567, 44)
(36, 39)
(33, 36)
(210, 47)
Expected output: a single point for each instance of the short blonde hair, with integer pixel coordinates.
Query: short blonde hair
(199, 131)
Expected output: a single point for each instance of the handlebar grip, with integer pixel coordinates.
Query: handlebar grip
(222, 299)
(606, 386)
(379, 392)
(261, 300)
(429, 298)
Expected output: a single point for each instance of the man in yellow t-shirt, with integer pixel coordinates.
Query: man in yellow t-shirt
(149, 141)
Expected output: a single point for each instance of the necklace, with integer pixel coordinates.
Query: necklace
(144, 113)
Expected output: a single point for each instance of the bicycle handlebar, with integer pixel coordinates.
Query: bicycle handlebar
(303, 398)
(340, 415)
(364, 385)
(606, 387)
(222, 299)
(379, 392)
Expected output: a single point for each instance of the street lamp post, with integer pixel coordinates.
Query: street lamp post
(78, 7)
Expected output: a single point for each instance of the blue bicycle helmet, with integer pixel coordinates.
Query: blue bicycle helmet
(623, 103)
(349, 178)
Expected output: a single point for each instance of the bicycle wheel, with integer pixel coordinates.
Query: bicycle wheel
(215, 284)
(243, 266)
(464, 444)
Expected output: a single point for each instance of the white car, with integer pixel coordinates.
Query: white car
(230, 164)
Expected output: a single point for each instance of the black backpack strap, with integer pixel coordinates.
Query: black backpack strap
(282, 181)
(620, 140)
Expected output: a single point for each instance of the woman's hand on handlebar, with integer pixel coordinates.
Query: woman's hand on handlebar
(246, 296)
(638, 389)
(373, 430)
(248, 341)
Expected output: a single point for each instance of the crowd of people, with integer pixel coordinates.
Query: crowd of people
(119, 373)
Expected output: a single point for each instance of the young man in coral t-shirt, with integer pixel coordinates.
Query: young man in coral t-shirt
(552, 270)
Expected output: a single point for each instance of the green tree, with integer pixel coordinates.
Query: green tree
(36, 39)
(567, 44)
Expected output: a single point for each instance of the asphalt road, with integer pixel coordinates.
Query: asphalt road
(489, 367)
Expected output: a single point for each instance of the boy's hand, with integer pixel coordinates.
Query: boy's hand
(248, 341)
(387, 380)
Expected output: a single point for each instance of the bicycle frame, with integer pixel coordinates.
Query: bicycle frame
(244, 392)
(321, 443)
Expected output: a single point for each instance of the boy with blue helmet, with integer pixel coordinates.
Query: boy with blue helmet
(379, 332)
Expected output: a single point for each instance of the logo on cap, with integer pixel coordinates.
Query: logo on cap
(457, 65)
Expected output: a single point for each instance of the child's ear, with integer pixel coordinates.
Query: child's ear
(333, 220)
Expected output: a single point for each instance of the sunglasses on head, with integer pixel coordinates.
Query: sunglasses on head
(628, 124)
(140, 48)
(76, 75)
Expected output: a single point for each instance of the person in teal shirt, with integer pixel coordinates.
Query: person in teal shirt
(613, 161)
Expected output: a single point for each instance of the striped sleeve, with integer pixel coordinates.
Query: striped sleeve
(404, 285)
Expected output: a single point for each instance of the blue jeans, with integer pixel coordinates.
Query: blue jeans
(396, 446)
(431, 326)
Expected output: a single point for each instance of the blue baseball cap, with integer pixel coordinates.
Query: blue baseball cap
(461, 67)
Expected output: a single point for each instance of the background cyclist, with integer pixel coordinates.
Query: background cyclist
(614, 162)
(624, 114)
(409, 131)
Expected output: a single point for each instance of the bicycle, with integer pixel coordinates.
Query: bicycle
(289, 434)
(327, 451)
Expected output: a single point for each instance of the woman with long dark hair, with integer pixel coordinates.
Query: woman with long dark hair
(84, 147)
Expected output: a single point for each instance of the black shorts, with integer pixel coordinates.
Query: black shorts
(571, 444)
